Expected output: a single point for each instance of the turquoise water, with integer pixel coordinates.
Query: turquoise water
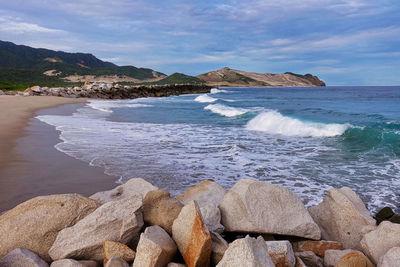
(306, 139)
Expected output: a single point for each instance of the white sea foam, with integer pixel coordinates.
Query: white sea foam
(107, 106)
(205, 99)
(226, 111)
(274, 122)
(216, 91)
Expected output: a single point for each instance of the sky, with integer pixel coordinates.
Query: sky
(343, 42)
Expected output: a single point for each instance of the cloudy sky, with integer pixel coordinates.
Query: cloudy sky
(344, 42)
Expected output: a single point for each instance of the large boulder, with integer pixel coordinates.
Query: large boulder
(120, 250)
(318, 247)
(257, 207)
(376, 243)
(205, 192)
(134, 186)
(391, 258)
(73, 263)
(219, 246)
(34, 224)
(21, 257)
(159, 208)
(342, 216)
(212, 218)
(155, 249)
(354, 258)
(247, 252)
(281, 253)
(192, 236)
(384, 215)
(118, 221)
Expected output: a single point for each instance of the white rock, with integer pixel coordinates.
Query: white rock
(333, 256)
(21, 257)
(257, 207)
(342, 216)
(247, 252)
(1, 92)
(206, 192)
(391, 258)
(155, 249)
(281, 253)
(212, 217)
(134, 186)
(116, 262)
(118, 221)
(375, 244)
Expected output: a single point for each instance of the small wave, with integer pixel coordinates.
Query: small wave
(226, 110)
(216, 91)
(107, 106)
(205, 99)
(275, 123)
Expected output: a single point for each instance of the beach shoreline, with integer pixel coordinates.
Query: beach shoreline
(29, 162)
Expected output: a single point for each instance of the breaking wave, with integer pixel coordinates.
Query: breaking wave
(274, 122)
(226, 111)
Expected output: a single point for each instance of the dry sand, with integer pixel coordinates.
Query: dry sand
(29, 164)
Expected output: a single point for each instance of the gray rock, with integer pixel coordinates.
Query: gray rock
(391, 258)
(257, 207)
(206, 192)
(116, 262)
(118, 221)
(1, 92)
(155, 249)
(376, 243)
(21, 257)
(134, 186)
(219, 246)
(342, 216)
(247, 252)
(73, 263)
(212, 218)
(281, 253)
(333, 256)
(173, 264)
(310, 259)
(34, 224)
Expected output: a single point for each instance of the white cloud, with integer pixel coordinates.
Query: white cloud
(10, 25)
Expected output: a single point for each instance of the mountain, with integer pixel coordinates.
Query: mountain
(44, 65)
(239, 78)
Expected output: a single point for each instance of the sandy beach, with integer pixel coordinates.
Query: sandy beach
(29, 163)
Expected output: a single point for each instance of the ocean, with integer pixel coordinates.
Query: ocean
(308, 140)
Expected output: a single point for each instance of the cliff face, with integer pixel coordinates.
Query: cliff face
(231, 77)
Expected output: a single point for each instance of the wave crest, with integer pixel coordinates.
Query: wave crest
(216, 91)
(274, 122)
(106, 106)
(226, 110)
(205, 99)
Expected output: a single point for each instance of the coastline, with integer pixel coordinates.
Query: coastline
(29, 163)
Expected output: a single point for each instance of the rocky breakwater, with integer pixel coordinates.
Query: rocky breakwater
(116, 91)
(252, 224)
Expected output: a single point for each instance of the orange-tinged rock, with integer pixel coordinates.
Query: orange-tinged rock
(192, 236)
(120, 250)
(354, 259)
(318, 247)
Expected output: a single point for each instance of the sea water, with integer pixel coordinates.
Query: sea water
(308, 140)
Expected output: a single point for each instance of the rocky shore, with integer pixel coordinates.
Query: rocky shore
(114, 91)
(252, 224)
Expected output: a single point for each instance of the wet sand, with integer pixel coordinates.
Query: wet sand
(29, 164)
